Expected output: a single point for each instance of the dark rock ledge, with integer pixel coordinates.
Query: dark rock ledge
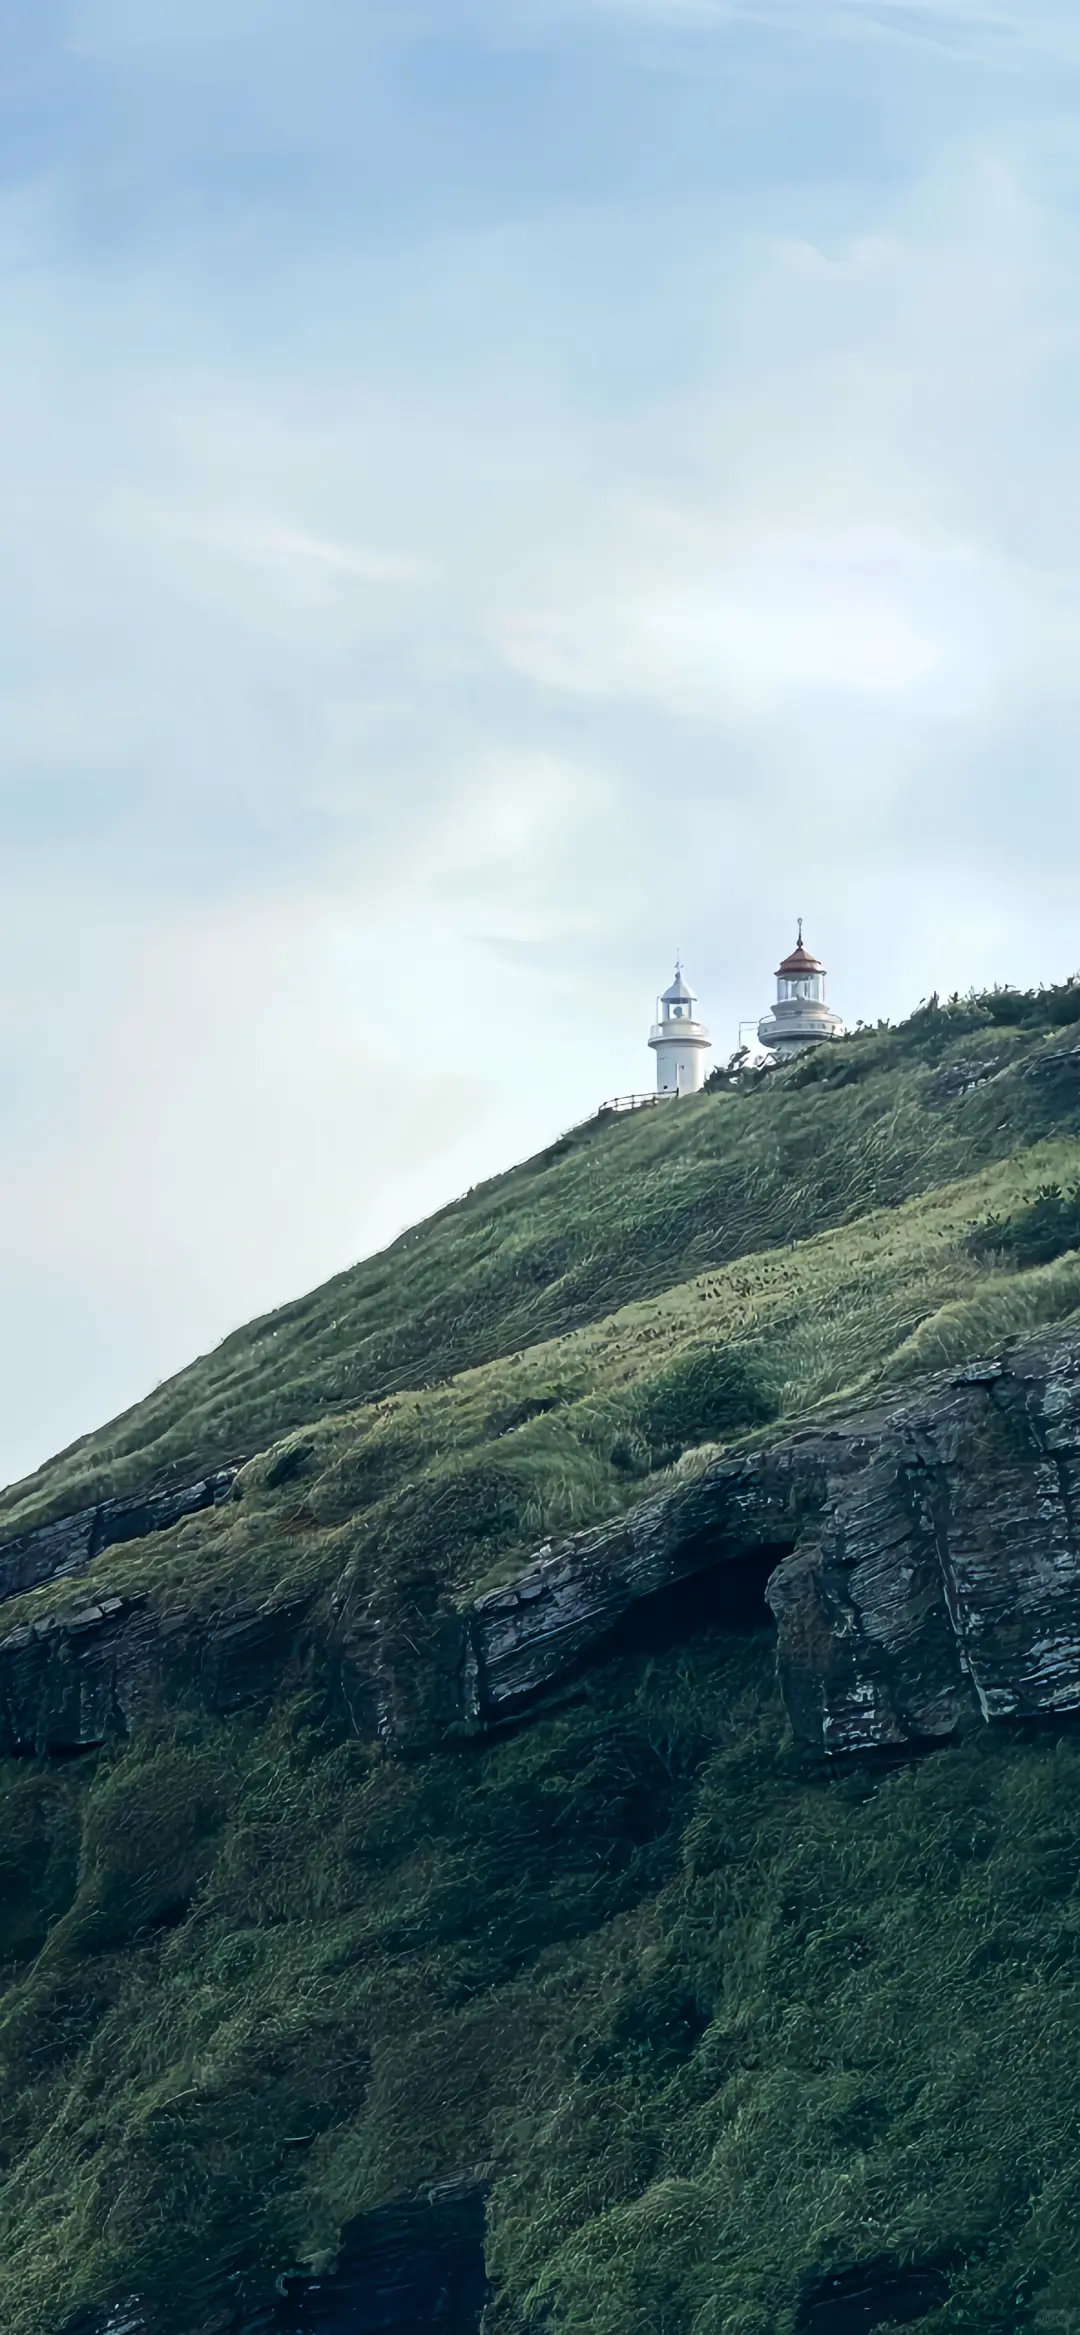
(71, 1543)
(923, 1562)
(73, 1680)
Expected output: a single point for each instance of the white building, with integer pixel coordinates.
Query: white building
(679, 1041)
(800, 1016)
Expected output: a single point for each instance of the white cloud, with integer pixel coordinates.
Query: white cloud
(469, 528)
(771, 620)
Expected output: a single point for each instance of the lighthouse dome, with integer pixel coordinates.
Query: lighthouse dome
(800, 961)
(679, 992)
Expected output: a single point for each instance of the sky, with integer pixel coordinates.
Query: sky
(495, 492)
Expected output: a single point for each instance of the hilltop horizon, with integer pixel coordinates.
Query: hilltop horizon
(569, 1686)
(865, 1056)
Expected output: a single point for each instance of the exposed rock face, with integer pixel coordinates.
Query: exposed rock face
(72, 1680)
(1060, 1070)
(68, 1682)
(928, 1564)
(947, 1574)
(571, 1598)
(71, 1543)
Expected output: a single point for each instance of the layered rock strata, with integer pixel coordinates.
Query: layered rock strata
(71, 1543)
(922, 1564)
(928, 1564)
(72, 1680)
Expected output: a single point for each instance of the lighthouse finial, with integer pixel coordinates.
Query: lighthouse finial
(800, 932)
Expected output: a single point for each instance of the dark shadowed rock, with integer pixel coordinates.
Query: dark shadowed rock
(122, 2319)
(69, 1681)
(72, 1680)
(563, 1607)
(414, 2265)
(872, 2295)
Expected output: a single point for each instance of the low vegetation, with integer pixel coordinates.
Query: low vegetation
(1046, 1228)
(710, 2026)
(613, 1214)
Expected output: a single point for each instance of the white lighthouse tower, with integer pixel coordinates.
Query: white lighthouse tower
(679, 1041)
(800, 1016)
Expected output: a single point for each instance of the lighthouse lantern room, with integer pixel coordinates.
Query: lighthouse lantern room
(679, 1041)
(800, 1016)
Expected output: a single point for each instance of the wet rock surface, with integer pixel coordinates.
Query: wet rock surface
(928, 1564)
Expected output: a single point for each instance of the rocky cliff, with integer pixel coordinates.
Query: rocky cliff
(922, 1564)
(502, 1880)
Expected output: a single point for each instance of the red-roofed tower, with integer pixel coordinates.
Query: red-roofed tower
(800, 1016)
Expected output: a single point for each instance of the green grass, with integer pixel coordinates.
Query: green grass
(462, 1480)
(614, 1213)
(708, 2024)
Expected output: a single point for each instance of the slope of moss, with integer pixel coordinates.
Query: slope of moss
(458, 1482)
(615, 1212)
(710, 2027)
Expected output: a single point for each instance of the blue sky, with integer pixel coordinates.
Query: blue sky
(492, 493)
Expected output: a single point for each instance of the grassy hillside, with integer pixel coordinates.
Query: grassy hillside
(615, 1212)
(710, 2026)
(467, 1476)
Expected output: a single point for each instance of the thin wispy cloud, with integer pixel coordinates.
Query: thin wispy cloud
(266, 544)
(964, 28)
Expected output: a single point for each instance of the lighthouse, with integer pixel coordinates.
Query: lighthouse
(800, 1016)
(679, 1041)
